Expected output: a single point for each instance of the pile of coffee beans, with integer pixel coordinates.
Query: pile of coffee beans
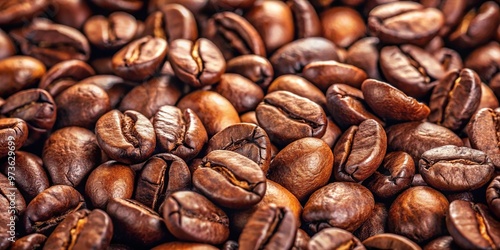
(249, 124)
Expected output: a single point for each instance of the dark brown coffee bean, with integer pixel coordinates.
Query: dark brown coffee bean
(493, 196)
(418, 214)
(244, 94)
(111, 32)
(294, 56)
(125, 5)
(415, 138)
(483, 133)
(198, 63)
(115, 87)
(375, 224)
(452, 168)
(13, 12)
(390, 241)
(301, 240)
(342, 25)
(214, 111)
(364, 54)
(50, 207)
(127, 137)
(472, 226)
(192, 217)
(455, 99)
(19, 72)
(14, 133)
(453, 11)
(390, 103)
(477, 26)
(256, 68)
(347, 106)
(298, 86)
(150, 96)
(484, 61)
(171, 22)
(328, 206)
(234, 35)
(270, 227)
(65, 74)
(136, 224)
(410, 69)
(160, 176)
(83, 229)
(405, 22)
(36, 107)
(334, 238)
(308, 160)
(307, 23)
(393, 176)
(325, 73)
(140, 58)
(441, 243)
(7, 45)
(230, 179)
(29, 242)
(16, 205)
(246, 139)
(176, 245)
(287, 117)
(75, 13)
(488, 98)
(449, 59)
(179, 132)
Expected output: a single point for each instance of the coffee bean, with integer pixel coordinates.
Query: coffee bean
(175, 245)
(364, 54)
(7, 46)
(443, 242)
(31, 241)
(449, 59)
(244, 94)
(301, 240)
(11, 12)
(483, 133)
(14, 133)
(64, 75)
(298, 86)
(493, 196)
(256, 68)
(342, 25)
(75, 12)
(306, 20)
(19, 72)
(172, 21)
(484, 61)
(376, 224)
(334, 238)
(392, 241)
(111, 32)
(325, 73)
(125, 5)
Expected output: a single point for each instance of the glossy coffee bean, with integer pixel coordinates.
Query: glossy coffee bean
(246, 139)
(192, 217)
(160, 176)
(418, 214)
(306, 20)
(443, 242)
(493, 196)
(325, 73)
(126, 137)
(82, 229)
(342, 25)
(125, 5)
(115, 87)
(172, 21)
(64, 75)
(472, 226)
(449, 59)
(334, 238)
(12, 12)
(483, 61)
(198, 63)
(256, 68)
(19, 72)
(111, 32)
(70, 154)
(482, 133)
(179, 132)
(244, 94)
(31, 241)
(287, 117)
(452, 168)
(375, 224)
(393, 241)
(270, 227)
(75, 12)
(7, 46)
(364, 54)
(50, 207)
(301, 240)
(329, 205)
(308, 160)
(298, 86)
(14, 133)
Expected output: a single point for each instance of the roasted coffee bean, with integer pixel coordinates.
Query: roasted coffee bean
(179, 132)
(7, 46)
(19, 72)
(75, 13)
(192, 217)
(483, 133)
(270, 18)
(477, 26)
(415, 138)
(359, 151)
(347, 106)
(405, 22)
(308, 160)
(452, 168)
(52, 43)
(449, 59)
(455, 99)
(418, 214)
(393, 176)
(410, 69)
(364, 54)
(115, 87)
(334, 238)
(13, 12)
(301, 240)
(244, 94)
(64, 75)
(176, 245)
(325, 73)
(307, 23)
(390, 241)
(111, 32)
(287, 117)
(493, 196)
(231, 4)
(82, 229)
(125, 5)
(9, 192)
(50, 207)
(484, 61)
(127, 137)
(160, 176)
(375, 224)
(488, 98)
(294, 56)
(441, 243)
(230, 179)
(329, 205)
(140, 59)
(171, 22)
(246, 139)
(472, 226)
(6, 218)
(332, 133)
(125, 214)
(198, 63)
(150, 96)
(391, 103)
(36, 107)
(298, 86)
(29, 242)
(256, 68)
(270, 227)
(214, 111)
(14, 133)
(342, 25)
(234, 35)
